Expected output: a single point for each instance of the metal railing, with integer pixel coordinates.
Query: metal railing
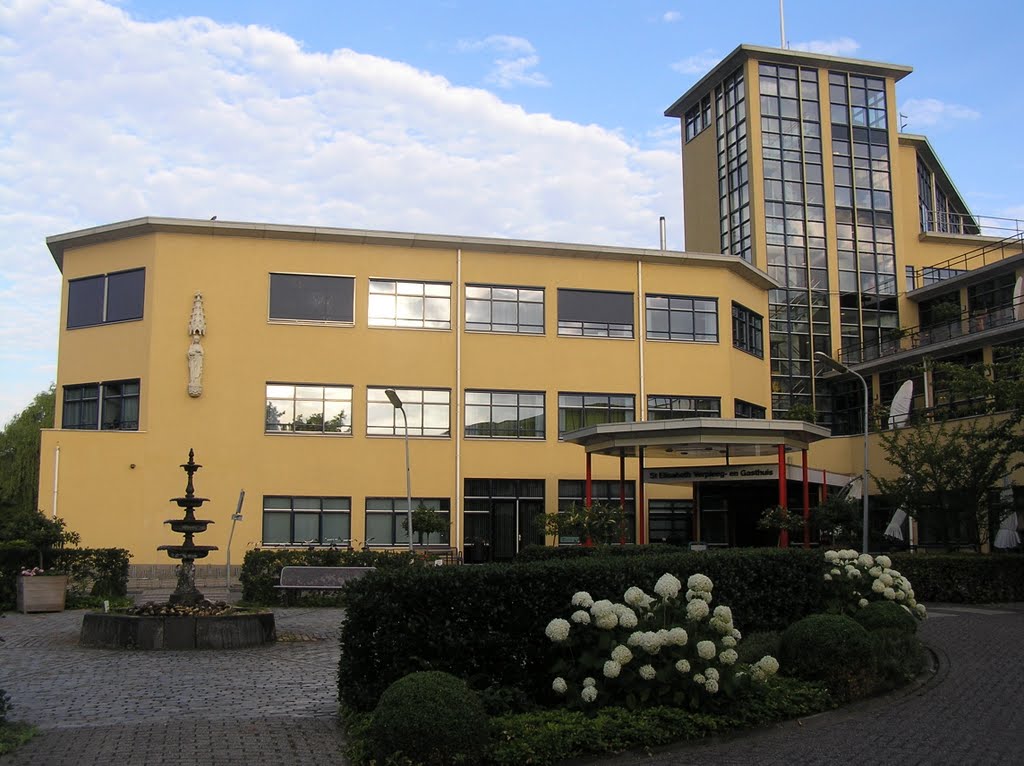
(965, 223)
(990, 252)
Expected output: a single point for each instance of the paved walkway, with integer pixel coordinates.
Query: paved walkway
(277, 704)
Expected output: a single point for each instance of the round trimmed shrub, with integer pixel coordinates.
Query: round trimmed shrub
(830, 648)
(899, 656)
(886, 615)
(431, 718)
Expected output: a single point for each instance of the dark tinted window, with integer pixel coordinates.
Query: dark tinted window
(126, 292)
(85, 301)
(595, 313)
(311, 298)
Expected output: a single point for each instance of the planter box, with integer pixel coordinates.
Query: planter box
(42, 593)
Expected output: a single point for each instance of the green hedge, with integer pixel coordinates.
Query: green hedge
(261, 569)
(533, 553)
(968, 578)
(486, 623)
(93, 571)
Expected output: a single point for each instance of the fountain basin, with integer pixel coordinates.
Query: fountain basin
(236, 630)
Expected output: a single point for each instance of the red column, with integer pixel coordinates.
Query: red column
(807, 502)
(589, 501)
(641, 504)
(622, 493)
(783, 501)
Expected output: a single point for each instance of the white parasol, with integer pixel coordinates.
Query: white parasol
(1007, 536)
(895, 528)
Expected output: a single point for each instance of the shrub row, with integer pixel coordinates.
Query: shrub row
(963, 578)
(560, 553)
(99, 572)
(261, 569)
(486, 624)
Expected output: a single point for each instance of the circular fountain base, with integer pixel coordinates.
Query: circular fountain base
(223, 631)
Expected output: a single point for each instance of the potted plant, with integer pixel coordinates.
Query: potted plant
(41, 590)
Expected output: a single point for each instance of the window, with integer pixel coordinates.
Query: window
(671, 407)
(609, 492)
(505, 414)
(109, 406)
(386, 517)
(698, 117)
(311, 298)
(427, 410)
(671, 521)
(296, 408)
(423, 305)
(106, 298)
(748, 411)
(595, 313)
(581, 410)
(491, 308)
(682, 317)
(306, 520)
(747, 330)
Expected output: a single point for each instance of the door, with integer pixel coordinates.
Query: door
(504, 530)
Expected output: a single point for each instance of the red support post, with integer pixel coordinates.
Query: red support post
(783, 500)
(807, 502)
(622, 494)
(587, 542)
(641, 504)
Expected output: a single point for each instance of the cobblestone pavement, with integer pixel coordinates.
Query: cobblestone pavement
(273, 704)
(277, 704)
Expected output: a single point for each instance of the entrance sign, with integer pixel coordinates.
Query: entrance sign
(676, 475)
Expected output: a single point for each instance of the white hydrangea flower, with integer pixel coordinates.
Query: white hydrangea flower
(875, 571)
(706, 649)
(723, 612)
(634, 596)
(828, 577)
(636, 638)
(697, 610)
(628, 619)
(889, 593)
(835, 573)
(683, 666)
(647, 672)
(606, 621)
(884, 561)
(691, 595)
(736, 634)
(769, 665)
(668, 586)
(698, 678)
(557, 630)
(699, 582)
(712, 674)
(559, 685)
(912, 603)
(886, 579)
(865, 560)
(901, 596)
(650, 642)
(604, 606)
(862, 603)
(589, 694)
(581, 616)
(728, 641)
(589, 681)
(612, 669)
(877, 586)
(678, 637)
(621, 654)
(583, 599)
(921, 610)
(831, 556)
(711, 686)
(728, 657)
(848, 554)
(706, 595)
(757, 673)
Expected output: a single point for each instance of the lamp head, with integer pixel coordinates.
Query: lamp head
(829, 362)
(393, 398)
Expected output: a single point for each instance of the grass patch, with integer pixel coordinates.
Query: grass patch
(14, 734)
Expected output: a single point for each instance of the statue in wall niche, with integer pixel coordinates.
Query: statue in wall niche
(196, 330)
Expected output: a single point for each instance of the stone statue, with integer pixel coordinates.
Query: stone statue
(196, 330)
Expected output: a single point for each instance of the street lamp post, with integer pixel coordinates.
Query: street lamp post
(397, 403)
(828, 361)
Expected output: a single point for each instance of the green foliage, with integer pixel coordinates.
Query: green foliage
(486, 623)
(757, 644)
(898, 655)
(5, 706)
(964, 578)
(19, 459)
(15, 734)
(779, 517)
(596, 524)
(95, 572)
(425, 522)
(550, 553)
(830, 648)
(840, 520)
(431, 718)
(261, 570)
(886, 615)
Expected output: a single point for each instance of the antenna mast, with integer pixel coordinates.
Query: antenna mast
(782, 23)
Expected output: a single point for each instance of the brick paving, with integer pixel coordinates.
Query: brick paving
(277, 704)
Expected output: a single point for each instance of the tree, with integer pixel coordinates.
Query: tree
(19, 455)
(426, 521)
(596, 524)
(949, 468)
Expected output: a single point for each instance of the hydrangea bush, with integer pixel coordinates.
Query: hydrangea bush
(671, 648)
(853, 580)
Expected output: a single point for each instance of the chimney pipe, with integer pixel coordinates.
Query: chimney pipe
(661, 225)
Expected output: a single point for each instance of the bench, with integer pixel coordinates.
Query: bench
(300, 578)
(440, 556)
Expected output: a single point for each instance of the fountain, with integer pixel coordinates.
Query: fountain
(187, 620)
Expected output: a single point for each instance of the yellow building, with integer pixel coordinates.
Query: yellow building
(269, 348)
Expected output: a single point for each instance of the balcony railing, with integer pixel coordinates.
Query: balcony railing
(965, 223)
(990, 252)
(911, 338)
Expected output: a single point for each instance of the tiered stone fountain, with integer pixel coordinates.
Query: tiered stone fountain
(187, 620)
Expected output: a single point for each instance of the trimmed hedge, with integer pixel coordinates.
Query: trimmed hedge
(261, 570)
(533, 553)
(967, 578)
(831, 648)
(486, 624)
(886, 615)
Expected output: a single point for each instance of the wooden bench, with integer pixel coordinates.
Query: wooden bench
(301, 578)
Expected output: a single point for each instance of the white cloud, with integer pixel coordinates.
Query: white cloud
(699, 63)
(670, 17)
(930, 112)
(104, 118)
(515, 64)
(842, 46)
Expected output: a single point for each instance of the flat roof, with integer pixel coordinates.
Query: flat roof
(781, 56)
(59, 243)
(697, 438)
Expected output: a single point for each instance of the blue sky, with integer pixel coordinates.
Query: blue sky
(536, 120)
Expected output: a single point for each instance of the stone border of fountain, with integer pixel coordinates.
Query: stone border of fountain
(225, 631)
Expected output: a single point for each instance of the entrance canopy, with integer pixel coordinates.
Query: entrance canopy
(697, 438)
